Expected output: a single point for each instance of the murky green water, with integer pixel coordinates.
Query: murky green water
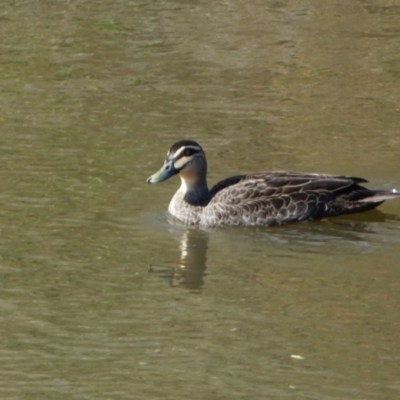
(101, 296)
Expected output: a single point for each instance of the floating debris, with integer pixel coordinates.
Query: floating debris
(297, 357)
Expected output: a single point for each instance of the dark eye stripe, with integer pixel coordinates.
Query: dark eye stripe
(187, 151)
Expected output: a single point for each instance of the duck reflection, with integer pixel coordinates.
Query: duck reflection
(191, 268)
(189, 271)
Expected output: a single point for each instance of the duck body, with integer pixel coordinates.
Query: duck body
(262, 199)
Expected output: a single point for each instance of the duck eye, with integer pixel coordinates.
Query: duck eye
(187, 152)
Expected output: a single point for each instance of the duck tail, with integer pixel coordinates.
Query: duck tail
(379, 196)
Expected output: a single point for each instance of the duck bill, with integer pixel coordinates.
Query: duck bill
(164, 173)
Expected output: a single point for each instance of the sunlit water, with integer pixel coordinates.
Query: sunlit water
(105, 297)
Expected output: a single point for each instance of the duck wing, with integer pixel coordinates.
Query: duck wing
(274, 198)
(276, 175)
(233, 180)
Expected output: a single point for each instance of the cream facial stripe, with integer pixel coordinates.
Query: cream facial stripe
(182, 160)
(179, 152)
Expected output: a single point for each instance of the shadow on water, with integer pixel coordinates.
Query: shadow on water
(354, 230)
(359, 232)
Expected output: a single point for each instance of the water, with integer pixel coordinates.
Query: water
(103, 297)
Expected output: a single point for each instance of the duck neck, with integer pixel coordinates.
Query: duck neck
(195, 191)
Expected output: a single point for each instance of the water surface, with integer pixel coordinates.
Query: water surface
(104, 297)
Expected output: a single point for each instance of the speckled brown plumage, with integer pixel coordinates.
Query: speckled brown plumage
(263, 199)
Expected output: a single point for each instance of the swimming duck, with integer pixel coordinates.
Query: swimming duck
(262, 199)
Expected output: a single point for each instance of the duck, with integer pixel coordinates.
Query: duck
(259, 199)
